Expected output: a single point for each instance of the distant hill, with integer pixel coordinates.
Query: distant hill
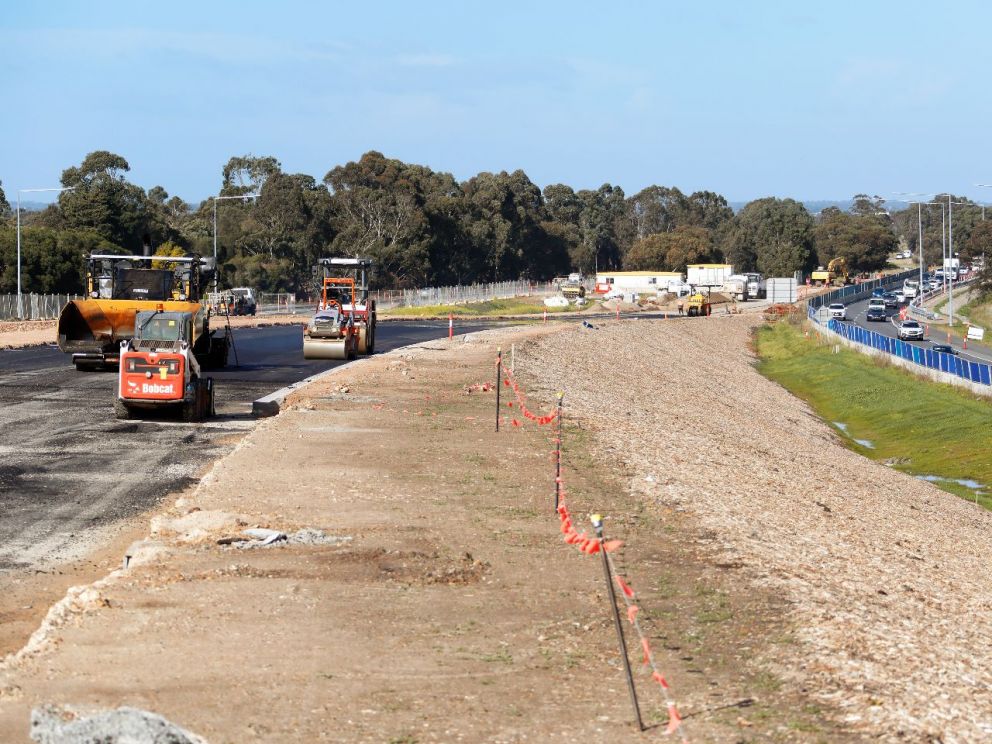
(27, 206)
(812, 205)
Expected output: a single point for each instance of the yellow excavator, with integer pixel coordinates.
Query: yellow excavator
(836, 273)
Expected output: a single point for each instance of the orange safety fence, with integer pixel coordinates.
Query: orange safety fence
(593, 544)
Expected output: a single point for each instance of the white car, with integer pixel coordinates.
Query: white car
(910, 329)
(900, 296)
(838, 311)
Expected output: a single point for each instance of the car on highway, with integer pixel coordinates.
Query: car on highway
(876, 313)
(837, 311)
(900, 296)
(878, 292)
(910, 330)
(944, 349)
(890, 299)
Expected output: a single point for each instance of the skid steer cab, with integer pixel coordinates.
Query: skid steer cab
(158, 370)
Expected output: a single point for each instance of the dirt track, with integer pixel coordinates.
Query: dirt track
(783, 602)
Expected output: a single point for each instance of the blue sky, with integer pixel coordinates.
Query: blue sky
(745, 99)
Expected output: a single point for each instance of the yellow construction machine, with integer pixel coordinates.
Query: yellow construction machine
(119, 287)
(698, 303)
(836, 273)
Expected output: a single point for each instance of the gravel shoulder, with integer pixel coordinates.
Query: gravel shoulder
(793, 590)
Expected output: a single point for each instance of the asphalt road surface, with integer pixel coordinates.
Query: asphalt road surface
(67, 466)
(856, 313)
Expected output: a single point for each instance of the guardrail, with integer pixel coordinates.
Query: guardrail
(951, 364)
(935, 360)
(854, 292)
(33, 306)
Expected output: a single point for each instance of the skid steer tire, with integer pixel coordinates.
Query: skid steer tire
(121, 411)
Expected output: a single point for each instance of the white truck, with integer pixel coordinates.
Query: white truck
(708, 275)
(736, 286)
(911, 288)
(757, 287)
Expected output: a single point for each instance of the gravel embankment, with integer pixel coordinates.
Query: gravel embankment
(886, 575)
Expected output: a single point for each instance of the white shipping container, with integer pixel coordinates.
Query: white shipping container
(781, 290)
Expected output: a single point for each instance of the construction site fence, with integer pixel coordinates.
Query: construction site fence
(276, 303)
(390, 298)
(975, 372)
(33, 306)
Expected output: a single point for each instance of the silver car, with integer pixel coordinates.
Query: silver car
(910, 330)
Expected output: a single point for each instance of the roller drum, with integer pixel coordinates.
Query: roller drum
(325, 348)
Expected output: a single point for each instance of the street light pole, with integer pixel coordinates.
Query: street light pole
(216, 199)
(20, 301)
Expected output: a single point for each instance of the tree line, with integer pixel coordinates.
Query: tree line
(424, 227)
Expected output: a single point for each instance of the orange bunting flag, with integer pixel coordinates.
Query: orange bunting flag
(509, 404)
(516, 423)
(592, 548)
(566, 526)
(624, 587)
(610, 545)
(647, 651)
(656, 676)
(674, 719)
(632, 613)
(506, 382)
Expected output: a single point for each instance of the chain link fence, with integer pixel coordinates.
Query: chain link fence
(276, 303)
(392, 298)
(47, 307)
(33, 306)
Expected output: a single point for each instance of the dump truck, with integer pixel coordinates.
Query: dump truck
(118, 288)
(737, 286)
(158, 369)
(344, 324)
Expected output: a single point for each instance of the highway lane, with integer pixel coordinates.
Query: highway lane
(857, 311)
(68, 467)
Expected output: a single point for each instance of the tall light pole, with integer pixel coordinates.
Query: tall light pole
(919, 214)
(242, 197)
(950, 255)
(20, 304)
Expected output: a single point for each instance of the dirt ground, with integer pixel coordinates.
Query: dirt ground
(792, 590)
(444, 606)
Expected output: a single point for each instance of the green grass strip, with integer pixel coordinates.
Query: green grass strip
(916, 426)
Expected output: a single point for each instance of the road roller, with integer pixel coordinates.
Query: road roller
(344, 324)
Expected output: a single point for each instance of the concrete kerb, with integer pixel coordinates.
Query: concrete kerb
(271, 404)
